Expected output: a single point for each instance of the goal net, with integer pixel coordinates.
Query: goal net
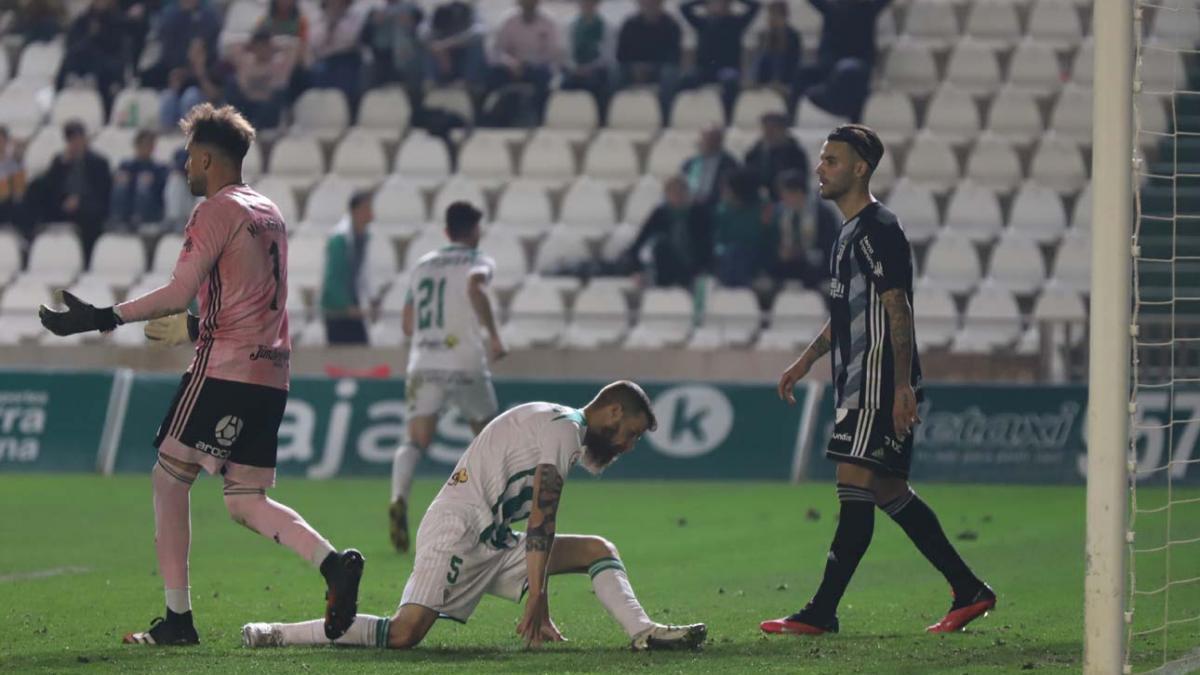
(1162, 603)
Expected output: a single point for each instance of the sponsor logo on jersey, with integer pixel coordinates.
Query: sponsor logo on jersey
(430, 344)
(837, 289)
(268, 225)
(208, 449)
(844, 437)
(892, 443)
(279, 357)
(458, 477)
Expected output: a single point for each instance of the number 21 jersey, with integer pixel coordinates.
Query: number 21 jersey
(446, 333)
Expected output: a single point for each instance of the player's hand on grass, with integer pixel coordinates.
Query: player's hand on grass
(79, 317)
(904, 411)
(535, 626)
(169, 331)
(793, 374)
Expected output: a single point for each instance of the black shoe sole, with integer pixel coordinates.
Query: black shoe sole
(341, 601)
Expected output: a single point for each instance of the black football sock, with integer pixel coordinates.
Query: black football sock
(850, 542)
(921, 525)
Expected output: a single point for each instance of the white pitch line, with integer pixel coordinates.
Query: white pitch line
(43, 574)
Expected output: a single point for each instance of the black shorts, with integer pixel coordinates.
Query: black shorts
(866, 437)
(232, 421)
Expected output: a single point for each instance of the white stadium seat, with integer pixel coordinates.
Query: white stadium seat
(359, 159)
(1082, 68)
(635, 113)
(452, 100)
(936, 317)
(18, 308)
(115, 144)
(486, 159)
(646, 194)
(600, 318)
(306, 259)
(1072, 116)
(587, 205)
(1016, 265)
(612, 162)
(1081, 214)
(918, 212)
(752, 104)
(571, 115)
(1058, 164)
(41, 150)
(665, 319)
(931, 161)
(297, 160)
(974, 212)
(796, 318)
(423, 160)
(668, 154)
(932, 22)
(384, 113)
(10, 255)
(525, 208)
(283, 195)
(811, 116)
(994, 21)
(323, 114)
(537, 317)
(973, 67)
(1037, 212)
(458, 188)
(953, 115)
(990, 322)
(136, 108)
(891, 115)
(910, 67)
(399, 207)
(118, 259)
(697, 109)
(547, 158)
(508, 252)
(166, 252)
(55, 258)
(731, 319)
(994, 163)
(327, 203)
(951, 264)
(40, 62)
(1035, 66)
(1056, 23)
(562, 250)
(22, 119)
(1014, 115)
(1073, 264)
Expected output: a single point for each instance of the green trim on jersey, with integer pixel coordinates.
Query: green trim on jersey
(497, 536)
(575, 416)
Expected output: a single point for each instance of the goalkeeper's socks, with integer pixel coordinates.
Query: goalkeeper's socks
(850, 542)
(921, 525)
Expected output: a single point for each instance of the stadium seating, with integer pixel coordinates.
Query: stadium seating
(600, 318)
(536, 317)
(547, 158)
(731, 319)
(665, 319)
(1016, 265)
(525, 208)
(990, 322)
(384, 113)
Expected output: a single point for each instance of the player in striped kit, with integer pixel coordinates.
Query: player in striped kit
(447, 314)
(877, 377)
(466, 547)
(225, 416)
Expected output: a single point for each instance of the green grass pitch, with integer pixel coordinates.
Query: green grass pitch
(729, 554)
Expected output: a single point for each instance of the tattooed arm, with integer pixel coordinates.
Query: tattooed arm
(900, 324)
(800, 367)
(535, 625)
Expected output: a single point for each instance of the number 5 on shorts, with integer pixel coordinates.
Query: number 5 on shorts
(452, 575)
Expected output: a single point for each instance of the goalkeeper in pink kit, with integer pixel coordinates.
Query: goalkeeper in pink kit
(226, 414)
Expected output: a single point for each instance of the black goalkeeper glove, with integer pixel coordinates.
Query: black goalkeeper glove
(79, 317)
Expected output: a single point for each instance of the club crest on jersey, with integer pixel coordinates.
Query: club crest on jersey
(458, 477)
(227, 430)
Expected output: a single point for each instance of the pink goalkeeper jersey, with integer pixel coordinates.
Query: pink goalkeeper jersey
(234, 258)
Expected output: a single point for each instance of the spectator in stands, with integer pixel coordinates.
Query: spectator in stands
(708, 170)
(802, 234)
(138, 16)
(334, 49)
(284, 18)
(527, 50)
(719, 35)
(391, 31)
(261, 70)
(454, 46)
(740, 231)
(839, 81)
(96, 48)
(76, 188)
(201, 80)
(139, 184)
(12, 180)
(343, 289)
(777, 151)
(679, 235)
(590, 63)
(778, 62)
(649, 50)
(178, 25)
(39, 20)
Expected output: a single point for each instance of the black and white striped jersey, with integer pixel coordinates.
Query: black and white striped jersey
(871, 256)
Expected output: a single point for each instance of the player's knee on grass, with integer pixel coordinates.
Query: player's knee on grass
(409, 626)
(602, 548)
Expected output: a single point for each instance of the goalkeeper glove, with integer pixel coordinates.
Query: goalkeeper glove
(79, 317)
(173, 330)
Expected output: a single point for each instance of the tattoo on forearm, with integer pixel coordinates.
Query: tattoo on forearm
(820, 346)
(900, 322)
(543, 519)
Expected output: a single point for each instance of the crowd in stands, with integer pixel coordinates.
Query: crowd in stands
(724, 216)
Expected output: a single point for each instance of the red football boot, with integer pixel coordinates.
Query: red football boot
(964, 612)
(803, 622)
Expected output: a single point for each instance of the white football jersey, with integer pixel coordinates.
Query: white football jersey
(495, 475)
(446, 332)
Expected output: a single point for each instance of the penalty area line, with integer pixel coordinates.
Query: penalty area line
(43, 574)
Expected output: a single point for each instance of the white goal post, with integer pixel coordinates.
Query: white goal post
(1109, 354)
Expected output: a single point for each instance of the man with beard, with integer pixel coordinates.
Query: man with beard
(226, 413)
(466, 548)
